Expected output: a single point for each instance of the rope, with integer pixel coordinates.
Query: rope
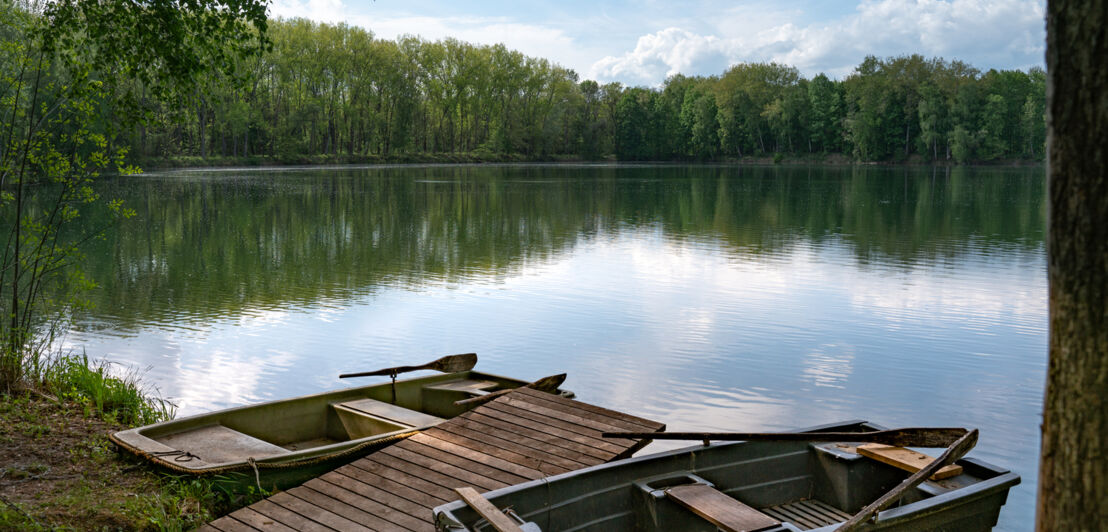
(178, 456)
(257, 476)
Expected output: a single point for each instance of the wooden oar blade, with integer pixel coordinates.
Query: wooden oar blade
(446, 364)
(906, 437)
(455, 363)
(548, 384)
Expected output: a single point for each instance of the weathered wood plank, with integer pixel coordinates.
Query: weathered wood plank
(612, 415)
(521, 465)
(287, 517)
(564, 426)
(403, 476)
(253, 519)
(607, 449)
(719, 509)
(479, 463)
(364, 501)
(490, 417)
(226, 524)
(448, 473)
(392, 487)
(568, 419)
(484, 424)
(342, 508)
(906, 459)
(509, 450)
(315, 512)
(486, 509)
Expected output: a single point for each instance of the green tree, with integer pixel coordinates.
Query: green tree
(63, 66)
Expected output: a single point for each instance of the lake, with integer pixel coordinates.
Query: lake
(710, 298)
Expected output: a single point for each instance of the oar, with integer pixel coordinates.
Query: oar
(546, 384)
(958, 449)
(446, 364)
(908, 437)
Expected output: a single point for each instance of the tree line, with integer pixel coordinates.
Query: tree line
(336, 90)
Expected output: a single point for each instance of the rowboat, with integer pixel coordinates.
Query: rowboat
(282, 443)
(744, 486)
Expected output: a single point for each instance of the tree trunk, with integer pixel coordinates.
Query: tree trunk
(1073, 472)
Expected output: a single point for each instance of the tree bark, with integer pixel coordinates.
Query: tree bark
(1073, 473)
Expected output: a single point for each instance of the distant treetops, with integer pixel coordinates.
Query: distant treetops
(335, 90)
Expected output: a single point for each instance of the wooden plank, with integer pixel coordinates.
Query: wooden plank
(612, 415)
(566, 418)
(363, 506)
(226, 524)
(451, 475)
(479, 463)
(595, 442)
(343, 509)
(317, 513)
(485, 442)
(546, 439)
(492, 514)
(392, 487)
(483, 424)
(719, 509)
(258, 521)
(523, 464)
(404, 477)
(287, 517)
(567, 421)
(563, 421)
(906, 459)
(383, 503)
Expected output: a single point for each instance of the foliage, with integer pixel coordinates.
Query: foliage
(337, 90)
(118, 397)
(63, 65)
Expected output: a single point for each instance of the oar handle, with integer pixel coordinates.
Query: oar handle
(386, 371)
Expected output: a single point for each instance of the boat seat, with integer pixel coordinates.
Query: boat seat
(467, 386)
(216, 444)
(390, 412)
(719, 509)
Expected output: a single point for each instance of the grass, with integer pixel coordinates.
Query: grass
(118, 397)
(58, 471)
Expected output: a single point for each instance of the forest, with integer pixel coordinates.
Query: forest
(336, 93)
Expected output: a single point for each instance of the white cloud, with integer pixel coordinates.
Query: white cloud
(986, 33)
(531, 39)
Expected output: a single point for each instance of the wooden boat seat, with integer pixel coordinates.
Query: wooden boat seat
(719, 509)
(217, 444)
(467, 386)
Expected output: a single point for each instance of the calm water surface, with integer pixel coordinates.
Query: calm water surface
(710, 298)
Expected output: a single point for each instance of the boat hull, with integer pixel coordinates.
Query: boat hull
(282, 443)
(790, 481)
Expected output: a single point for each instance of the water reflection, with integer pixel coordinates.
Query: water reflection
(712, 298)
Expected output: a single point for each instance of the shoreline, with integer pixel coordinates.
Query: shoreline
(451, 159)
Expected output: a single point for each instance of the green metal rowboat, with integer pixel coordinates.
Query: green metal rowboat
(765, 486)
(283, 443)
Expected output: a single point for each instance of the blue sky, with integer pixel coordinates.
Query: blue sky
(642, 42)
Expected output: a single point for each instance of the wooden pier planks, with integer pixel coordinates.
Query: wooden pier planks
(522, 436)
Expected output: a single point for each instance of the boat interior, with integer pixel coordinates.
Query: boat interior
(318, 424)
(748, 486)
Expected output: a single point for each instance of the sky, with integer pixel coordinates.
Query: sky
(643, 42)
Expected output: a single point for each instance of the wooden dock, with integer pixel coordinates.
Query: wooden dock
(522, 436)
